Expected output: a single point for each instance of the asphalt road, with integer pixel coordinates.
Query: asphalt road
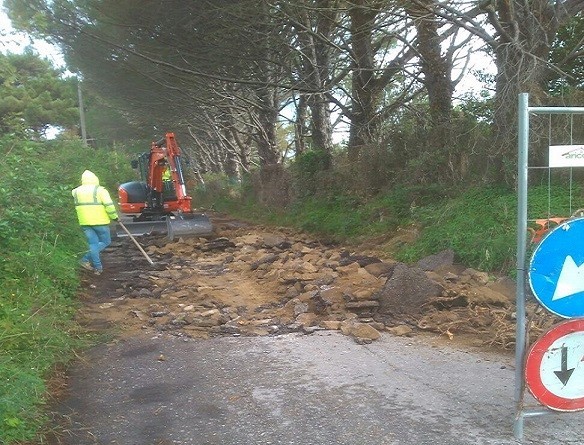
(299, 390)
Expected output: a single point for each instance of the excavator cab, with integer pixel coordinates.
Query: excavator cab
(159, 202)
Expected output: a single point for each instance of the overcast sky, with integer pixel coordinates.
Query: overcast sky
(11, 41)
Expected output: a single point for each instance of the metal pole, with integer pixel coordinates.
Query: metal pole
(556, 110)
(520, 334)
(81, 113)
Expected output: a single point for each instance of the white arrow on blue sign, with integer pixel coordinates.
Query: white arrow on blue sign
(556, 272)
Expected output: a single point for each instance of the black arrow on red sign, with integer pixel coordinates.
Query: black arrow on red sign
(564, 374)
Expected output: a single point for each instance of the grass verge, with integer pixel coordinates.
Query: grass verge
(479, 224)
(40, 242)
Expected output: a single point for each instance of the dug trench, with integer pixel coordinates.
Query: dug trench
(249, 280)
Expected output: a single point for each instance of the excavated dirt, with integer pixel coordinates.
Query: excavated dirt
(249, 280)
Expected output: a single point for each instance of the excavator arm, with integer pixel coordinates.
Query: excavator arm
(174, 162)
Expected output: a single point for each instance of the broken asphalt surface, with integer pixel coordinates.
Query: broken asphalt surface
(186, 366)
(297, 389)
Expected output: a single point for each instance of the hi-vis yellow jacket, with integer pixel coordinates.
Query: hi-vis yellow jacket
(166, 174)
(93, 203)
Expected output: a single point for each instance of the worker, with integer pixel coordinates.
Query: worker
(166, 173)
(167, 186)
(95, 209)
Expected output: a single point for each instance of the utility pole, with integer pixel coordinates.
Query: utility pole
(81, 114)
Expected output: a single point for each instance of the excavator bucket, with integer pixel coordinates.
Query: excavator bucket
(140, 228)
(173, 227)
(189, 225)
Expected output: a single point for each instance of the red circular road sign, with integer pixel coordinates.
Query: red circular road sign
(554, 369)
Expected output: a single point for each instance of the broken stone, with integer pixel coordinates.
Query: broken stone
(332, 325)
(272, 241)
(350, 269)
(476, 276)
(266, 259)
(307, 319)
(376, 325)
(438, 261)
(300, 308)
(361, 260)
(381, 269)
(210, 313)
(319, 304)
(217, 244)
(363, 294)
(401, 330)
(366, 304)
(291, 292)
(332, 295)
(144, 293)
(158, 314)
(406, 291)
(359, 330)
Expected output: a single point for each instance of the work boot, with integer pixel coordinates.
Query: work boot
(86, 265)
(97, 272)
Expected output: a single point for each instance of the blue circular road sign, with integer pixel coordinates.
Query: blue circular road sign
(556, 271)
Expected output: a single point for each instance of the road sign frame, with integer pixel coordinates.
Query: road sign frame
(533, 364)
(524, 111)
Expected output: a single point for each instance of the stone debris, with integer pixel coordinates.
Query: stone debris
(255, 281)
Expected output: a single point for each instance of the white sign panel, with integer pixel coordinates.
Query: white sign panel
(566, 156)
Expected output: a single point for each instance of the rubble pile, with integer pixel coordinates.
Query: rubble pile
(249, 280)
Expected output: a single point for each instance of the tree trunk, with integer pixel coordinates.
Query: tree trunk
(522, 47)
(300, 126)
(437, 80)
(363, 102)
(267, 116)
(316, 65)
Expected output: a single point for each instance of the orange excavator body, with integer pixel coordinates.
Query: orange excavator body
(154, 197)
(160, 202)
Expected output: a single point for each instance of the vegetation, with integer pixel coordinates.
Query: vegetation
(40, 243)
(33, 96)
(225, 76)
(479, 224)
(255, 92)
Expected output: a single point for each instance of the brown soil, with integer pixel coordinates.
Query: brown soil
(252, 280)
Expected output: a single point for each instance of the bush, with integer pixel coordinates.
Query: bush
(478, 223)
(39, 245)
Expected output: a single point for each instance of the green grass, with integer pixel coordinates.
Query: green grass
(479, 224)
(40, 242)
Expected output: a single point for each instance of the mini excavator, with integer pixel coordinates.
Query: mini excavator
(159, 203)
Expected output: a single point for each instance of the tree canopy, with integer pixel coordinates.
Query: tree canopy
(34, 96)
(224, 75)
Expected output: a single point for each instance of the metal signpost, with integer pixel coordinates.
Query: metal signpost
(554, 368)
